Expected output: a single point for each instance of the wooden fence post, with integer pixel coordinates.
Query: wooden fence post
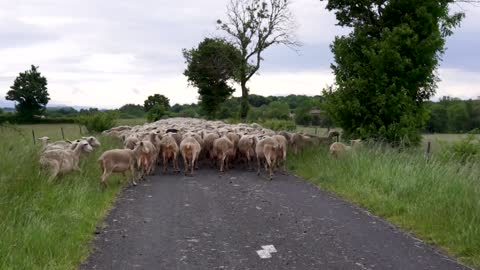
(429, 150)
(33, 136)
(63, 135)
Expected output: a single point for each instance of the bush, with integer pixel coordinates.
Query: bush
(280, 125)
(465, 150)
(99, 122)
(156, 113)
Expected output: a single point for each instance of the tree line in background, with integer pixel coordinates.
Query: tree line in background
(384, 73)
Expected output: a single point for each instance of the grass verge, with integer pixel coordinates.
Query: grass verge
(438, 201)
(48, 225)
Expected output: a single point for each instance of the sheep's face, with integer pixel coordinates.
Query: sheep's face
(92, 141)
(86, 147)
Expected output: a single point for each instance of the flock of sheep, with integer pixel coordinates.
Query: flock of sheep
(165, 141)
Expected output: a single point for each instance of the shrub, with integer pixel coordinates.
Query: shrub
(280, 125)
(99, 122)
(465, 150)
(156, 113)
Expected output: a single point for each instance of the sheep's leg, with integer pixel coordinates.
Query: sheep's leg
(193, 165)
(105, 175)
(270, 164)
(132, 169)
(258, 165)
(165, 162)
(185, 162)
(222, 161)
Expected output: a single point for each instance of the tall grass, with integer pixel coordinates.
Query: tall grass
(47, 225)
(437, 200)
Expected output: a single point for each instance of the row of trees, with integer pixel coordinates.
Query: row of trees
(451, 115)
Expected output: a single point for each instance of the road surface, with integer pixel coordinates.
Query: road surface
(241, 221)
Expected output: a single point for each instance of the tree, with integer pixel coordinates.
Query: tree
(210, 67)
(254, 26)
(278, 110)
(385, 68)
(30, 91)
(132, 111)
(156, 99)
(156, 112)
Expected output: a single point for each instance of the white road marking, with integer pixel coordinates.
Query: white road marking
(269, 248)
(264, 254)
(266, 251)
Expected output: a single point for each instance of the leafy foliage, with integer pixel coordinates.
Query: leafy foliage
(30, 91)
(209, 68)
(276, 124)
(99, 121)
(156, 99)
(156, 113)
(254, 26)
(384, 68)
(131, 111)
(451, 115)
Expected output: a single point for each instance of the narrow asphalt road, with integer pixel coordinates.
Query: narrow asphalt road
(211, 222)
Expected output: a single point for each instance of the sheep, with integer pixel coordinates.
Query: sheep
(119, 160)
(338, 148)
(266, 149)
(296, 141)
(64, 160)
(190, 149)
(92, 141)
(208, 145)
(169, 151)
(148, 158)
(246, 148)
(281, 151)
(130, 142)
(222, 150)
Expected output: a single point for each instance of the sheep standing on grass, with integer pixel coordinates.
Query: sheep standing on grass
(337, 148)
(120, 160)
(60, 161)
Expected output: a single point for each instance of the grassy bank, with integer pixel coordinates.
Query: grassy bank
(437, 200)
(47, 225)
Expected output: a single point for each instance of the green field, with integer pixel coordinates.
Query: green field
(436, 199)
(132, 121)
(48, 225)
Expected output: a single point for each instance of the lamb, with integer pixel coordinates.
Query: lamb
(64, 160)
(297, 141)
(190, 149)
(223, 149)
(266, 149)
(337, 148)
(120, 160)
(246, 148)
(169, 151)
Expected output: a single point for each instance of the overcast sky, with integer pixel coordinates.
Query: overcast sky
(112, 52)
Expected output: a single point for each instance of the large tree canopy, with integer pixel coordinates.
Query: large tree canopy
(254, 26)
(385, 68)
(156, 99)
(209, 68)
(30, 91)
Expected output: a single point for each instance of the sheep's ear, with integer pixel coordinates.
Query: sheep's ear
(70, 142)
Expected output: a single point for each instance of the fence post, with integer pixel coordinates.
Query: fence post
(63, 135)
(80, 128)
(315, 130)
(428, 153)
(33, 136)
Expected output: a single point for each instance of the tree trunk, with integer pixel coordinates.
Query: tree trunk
(244, 105)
